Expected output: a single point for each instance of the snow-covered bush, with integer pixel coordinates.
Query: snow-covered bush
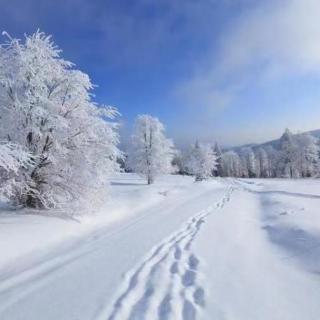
(47, 109)
(201, 161)
(151, 153)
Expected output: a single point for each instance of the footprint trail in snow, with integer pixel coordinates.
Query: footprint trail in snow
(166, 285)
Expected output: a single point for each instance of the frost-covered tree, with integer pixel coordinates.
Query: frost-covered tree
(217, 150)
(47, 109)
(178, 163)
(243, 165)
(231, 164)
(151, 153)
(307, 155)
(273, 156)
(288, 156)
(201, 161)
(13, 157)
(262, 163)
(249, 162)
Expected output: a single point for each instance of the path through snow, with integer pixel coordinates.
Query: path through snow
(165, 283)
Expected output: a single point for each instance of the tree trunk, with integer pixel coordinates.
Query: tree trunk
(150, 179)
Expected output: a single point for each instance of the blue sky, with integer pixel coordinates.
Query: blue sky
(236, 71)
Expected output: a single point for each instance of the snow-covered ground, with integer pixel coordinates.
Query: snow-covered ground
(220, 249)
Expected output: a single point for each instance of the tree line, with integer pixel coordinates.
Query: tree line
(294, 156)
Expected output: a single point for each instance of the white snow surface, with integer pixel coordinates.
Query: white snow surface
(228, 249)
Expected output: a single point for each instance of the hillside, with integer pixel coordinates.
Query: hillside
(273, 143)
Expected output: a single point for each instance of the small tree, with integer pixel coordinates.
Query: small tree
(151, 153)
(202, 161)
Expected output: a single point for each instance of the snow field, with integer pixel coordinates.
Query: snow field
(226, 249)
(248, 276)
(164, 285)
(78, 278)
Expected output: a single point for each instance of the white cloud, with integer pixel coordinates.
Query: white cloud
(270, 40)
(280, 36)
(277, 37)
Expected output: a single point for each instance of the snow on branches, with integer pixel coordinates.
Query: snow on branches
(201, 161)
(12, 159)
(151, 153)
(47, 110)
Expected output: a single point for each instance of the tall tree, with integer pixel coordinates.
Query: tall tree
(231, 164)
(151, 153)
(47, 109)
(218, 153)
(262, 162)
(249, 162)
(288, 155)
(308, 155)
(273, 156)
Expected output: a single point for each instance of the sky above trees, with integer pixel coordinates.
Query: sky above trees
(235, 71)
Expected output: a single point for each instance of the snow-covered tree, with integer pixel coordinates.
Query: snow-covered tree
(243, 165)
(47, 109)
(288, 156)
(178, 163)
(201, 161)
(231, 164)
(273, 156)
(151, 153)
(218, 153)
(308, 155)
(262, 163)
(249, 162)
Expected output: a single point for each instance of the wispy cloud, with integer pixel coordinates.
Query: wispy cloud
(280, 36)
(268, 43)
(211, 55)
(270, 39)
